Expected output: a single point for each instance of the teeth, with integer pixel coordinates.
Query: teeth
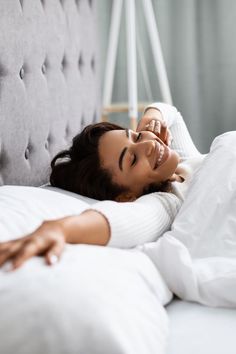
(161, 155)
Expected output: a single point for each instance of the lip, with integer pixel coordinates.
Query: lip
(157, 154)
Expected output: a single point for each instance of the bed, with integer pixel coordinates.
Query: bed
(199, 329)
(97, 299)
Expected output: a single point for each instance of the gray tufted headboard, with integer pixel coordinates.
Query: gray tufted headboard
(48, 82)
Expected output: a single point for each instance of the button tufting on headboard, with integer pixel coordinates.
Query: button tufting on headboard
(63, 62)
(22, 73)
(81, 63)
(50, 138)
(27, 153)
(37, 41)
(3, 70)
(43, 69)
(93, 63)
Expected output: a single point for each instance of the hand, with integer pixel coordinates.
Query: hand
(153, 121)
(47, 240)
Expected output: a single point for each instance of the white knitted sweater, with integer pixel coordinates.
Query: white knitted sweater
(147, 218)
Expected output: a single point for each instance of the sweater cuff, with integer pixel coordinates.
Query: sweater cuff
(168, 112)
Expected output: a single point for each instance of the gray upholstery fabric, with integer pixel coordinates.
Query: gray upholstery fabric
(48, 82)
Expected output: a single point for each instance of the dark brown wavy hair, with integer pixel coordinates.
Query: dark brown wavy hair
(79, 169)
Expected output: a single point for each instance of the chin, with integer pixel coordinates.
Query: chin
(176, 155)
(175, 159)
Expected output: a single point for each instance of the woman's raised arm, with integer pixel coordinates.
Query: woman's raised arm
(182, 141)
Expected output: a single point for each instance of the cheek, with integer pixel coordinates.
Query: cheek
(165, 171)
(144, 173)
(171, 165)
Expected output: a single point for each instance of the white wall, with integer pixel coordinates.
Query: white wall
(198, 44)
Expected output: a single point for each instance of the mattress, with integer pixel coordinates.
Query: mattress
(198, 329)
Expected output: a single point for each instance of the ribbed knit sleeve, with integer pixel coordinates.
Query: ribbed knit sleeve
(135, 223)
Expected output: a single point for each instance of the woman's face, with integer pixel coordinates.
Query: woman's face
(136, 159)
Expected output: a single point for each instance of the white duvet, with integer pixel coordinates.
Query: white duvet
(197, 258)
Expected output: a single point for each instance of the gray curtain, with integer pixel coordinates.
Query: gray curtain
(198, 41)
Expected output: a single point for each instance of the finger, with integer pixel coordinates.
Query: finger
(6, 245)
(143, 124)
(5, 257)
(163, 134)
(7, 267)
(29, 249)
(151, 125)
(169, 138)
(54, 253)
(10, 251)
(157, 127)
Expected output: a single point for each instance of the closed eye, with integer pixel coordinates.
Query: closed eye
(138, 137)
(134, 160)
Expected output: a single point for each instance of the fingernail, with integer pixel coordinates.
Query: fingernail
(53, 259)
(7, 267)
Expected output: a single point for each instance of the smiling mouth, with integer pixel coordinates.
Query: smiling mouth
(160, 155)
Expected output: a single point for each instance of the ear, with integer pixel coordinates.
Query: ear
(126, 197)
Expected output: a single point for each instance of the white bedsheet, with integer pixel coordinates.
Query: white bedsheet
(198, 329)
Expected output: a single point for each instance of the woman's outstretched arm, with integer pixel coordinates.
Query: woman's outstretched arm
(50, 238)
(122, 225)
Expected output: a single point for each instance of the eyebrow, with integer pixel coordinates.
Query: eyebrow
(123, 151)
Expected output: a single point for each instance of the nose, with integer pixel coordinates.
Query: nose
(147, 147)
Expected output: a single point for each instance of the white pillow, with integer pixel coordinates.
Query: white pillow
(22, 209)
(71, 194)
(113, 294)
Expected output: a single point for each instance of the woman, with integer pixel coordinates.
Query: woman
(109, 162)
